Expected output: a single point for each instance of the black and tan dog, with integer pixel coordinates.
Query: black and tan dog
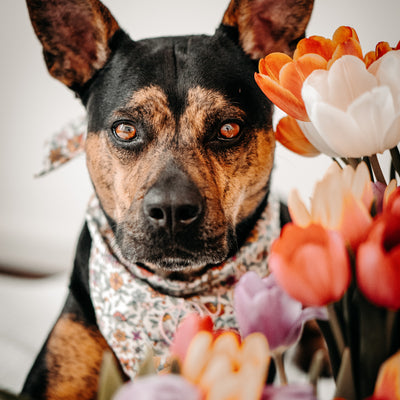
(179, 150)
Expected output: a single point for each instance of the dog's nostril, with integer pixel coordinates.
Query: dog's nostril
(156, 214)
(187, 213)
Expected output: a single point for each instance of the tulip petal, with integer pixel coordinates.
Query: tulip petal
(355, 221)
(297, 209)
(360, 185)
(378, 260)
(338, 129)
(374, 114)
(289, 134)
(348, 79)
(281, 97)
(314, 137)
(327, 204)
(197, 356)
(350, 47)
(388, 383)
(186, 331)
(272, 64)
(311, 264)
(315, 44)
(386, 70)
(344, 33)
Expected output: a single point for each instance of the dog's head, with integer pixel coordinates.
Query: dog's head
(179, 145)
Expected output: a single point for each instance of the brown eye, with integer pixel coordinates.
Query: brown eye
(124, 131)
(229, 130)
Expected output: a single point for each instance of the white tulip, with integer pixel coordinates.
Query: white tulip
(354, 112)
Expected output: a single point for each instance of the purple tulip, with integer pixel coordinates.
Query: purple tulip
(262, 306)
(292, 392)
(159, 387)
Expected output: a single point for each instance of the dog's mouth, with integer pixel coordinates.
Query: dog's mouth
(189, 253)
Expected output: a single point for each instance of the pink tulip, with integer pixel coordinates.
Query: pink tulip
(159, 387)
(292, 392)
(263, 306)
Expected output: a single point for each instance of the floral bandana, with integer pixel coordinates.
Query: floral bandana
(137, 310)
(64, 145)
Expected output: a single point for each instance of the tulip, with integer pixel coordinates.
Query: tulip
(391, 199)
(292, 392)
(281, 77)
(387, 386)
(187, 330)
(262, 306)
(289, 134)
(355, 111)
(226, 369)
(159, 387)
(341, 201)
(378, 262)
(311, 264)
(380, 50)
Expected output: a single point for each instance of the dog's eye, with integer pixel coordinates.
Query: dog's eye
(124, 131)
(229, 130)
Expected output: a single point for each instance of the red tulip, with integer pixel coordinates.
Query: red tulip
(187, 330)
(378, 261)
(311, 264)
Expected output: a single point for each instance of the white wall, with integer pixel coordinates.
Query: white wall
(41, 218)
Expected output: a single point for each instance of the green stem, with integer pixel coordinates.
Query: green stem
(395, 159)
(278, 358)
(354, 162)
(377, 169)
(336, 328)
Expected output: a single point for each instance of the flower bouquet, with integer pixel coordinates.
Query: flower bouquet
(338, 261)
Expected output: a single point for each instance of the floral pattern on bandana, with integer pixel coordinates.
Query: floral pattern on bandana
(65, 145)
(132, 310)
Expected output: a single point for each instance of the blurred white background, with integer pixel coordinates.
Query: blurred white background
(40, 219)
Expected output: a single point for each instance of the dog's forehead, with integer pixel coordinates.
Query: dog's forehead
(177, 67)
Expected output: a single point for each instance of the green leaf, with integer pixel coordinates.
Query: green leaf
(147, 366)
(345, 381)
(110, 377)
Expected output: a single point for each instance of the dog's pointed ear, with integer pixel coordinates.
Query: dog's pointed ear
(265, 26)
(75, 36)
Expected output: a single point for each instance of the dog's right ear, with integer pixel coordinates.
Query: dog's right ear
(264, 26)
(75, 36)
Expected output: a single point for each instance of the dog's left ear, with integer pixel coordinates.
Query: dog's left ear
(265, 26)
(75, 36)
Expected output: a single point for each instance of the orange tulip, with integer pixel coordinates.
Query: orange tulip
(388, 383)
(224, 368)
(290, 135)
(281, 77)
(311, 264)
(380, 50)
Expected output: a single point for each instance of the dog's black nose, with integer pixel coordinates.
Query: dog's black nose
(173, 203)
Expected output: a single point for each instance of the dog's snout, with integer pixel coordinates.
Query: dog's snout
(173, 203)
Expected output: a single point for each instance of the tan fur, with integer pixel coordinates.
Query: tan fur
(232, 184)
(73, 373)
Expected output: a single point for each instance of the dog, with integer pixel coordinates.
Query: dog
(179, 149)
